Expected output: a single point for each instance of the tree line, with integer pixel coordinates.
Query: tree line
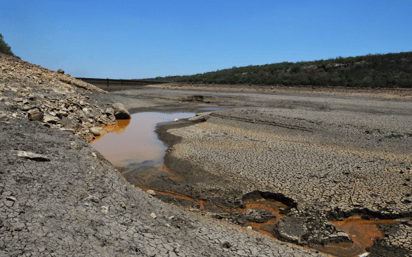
(377, 70)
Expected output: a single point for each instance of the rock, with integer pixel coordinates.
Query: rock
(175, 119)
(338, 237)
(153, 215)
(120, 112)
(105, 209)
(60, 71)
(97, 131)
(11, 198)
(71, 131)
(33, 156)
(35, 114)
(199, 118)
(109, 111)
(291, 229)
(203, 113)
(4, 117)
(50, 119)
(151, 192)
(26, 108)
(259, 216)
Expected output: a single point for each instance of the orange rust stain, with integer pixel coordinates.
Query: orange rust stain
(201, 203)
(119, 127)
(269, 205)
(363, 233)
(172, 175)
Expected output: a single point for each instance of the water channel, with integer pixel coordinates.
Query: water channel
(133, 147)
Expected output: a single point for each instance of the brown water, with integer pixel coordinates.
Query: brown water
(134, 142)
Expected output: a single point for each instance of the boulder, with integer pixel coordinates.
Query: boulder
(50, 119)
(109, 111)
(35, 114)
(4, 117)
(60, 71)
(291, 229)
(97, 131)
(120, 112)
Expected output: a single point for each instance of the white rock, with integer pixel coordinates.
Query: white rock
(175, 119)
(32, 156)
(50, 119)
(153, 215)
(151, 192)
(97, 131)
(105, 209)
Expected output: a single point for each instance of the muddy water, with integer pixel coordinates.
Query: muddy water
(134, 148)
(131, 143)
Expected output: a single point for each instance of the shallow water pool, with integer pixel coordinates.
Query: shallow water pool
(133, 142)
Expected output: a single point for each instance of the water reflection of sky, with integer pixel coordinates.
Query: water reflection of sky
(138, 143)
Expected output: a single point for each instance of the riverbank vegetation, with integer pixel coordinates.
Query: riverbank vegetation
(378, 70)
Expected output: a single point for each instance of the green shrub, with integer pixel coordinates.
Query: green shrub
(4, 47)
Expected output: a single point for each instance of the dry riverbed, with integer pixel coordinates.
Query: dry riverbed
(325, 171)
(274, 173)
(60, 197)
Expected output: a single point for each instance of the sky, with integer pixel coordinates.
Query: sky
(145, 39)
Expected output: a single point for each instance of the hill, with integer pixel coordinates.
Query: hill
(379, 70)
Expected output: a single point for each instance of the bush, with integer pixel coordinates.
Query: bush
(295, 68)
(4, 47)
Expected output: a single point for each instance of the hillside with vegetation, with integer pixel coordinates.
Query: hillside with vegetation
(4, 47)
(379, 70)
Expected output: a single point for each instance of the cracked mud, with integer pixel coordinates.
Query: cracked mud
(186, 185)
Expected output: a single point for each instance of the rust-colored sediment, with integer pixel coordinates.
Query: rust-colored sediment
(172, 176)
(119, 127)
(200, 202)
(363, 233)
(264, 204)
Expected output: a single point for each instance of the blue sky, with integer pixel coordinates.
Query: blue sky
(143, 39)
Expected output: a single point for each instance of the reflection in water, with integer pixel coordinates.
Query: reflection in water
(134, 141)
(117, 128)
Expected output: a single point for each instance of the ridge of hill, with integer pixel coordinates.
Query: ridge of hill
(379, 70)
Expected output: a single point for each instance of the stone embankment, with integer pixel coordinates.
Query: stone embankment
(59, 197)
(55, 99)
